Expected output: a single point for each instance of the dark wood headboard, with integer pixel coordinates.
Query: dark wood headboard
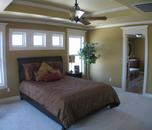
(26, 60)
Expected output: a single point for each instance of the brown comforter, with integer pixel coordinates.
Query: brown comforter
(70, 99)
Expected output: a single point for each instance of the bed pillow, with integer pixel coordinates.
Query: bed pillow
(52, 76)
(30, 69)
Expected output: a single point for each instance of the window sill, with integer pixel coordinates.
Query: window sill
(4, 88)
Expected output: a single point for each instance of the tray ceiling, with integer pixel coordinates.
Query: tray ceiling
(117, 11)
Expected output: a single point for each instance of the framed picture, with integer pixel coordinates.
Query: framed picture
(76, 69)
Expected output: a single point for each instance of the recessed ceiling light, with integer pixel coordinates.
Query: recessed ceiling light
(138, 35)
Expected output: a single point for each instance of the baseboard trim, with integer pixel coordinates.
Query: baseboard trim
(10, 99)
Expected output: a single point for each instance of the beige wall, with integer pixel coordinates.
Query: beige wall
(138, 47)
(149, 88)
(11, 56)
(110, 49)
(110, 63)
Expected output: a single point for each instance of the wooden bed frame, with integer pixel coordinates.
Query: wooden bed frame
(22, 61)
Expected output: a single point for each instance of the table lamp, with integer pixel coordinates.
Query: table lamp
(71, 60)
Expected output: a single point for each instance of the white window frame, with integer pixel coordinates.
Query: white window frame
(17, 47)
(62, 41)
(76, 34)
(29, 45)
(2, 30)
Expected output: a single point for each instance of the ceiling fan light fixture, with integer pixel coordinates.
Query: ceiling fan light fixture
(139, 35)
(79, 13)
(78, 16)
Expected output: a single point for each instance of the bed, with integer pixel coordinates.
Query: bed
(66, 100)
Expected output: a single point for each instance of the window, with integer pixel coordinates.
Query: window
(39, 39)
(57, 40)
(1, 62)
(27, 39)
(2, 58)
(17, 39)
(75, 42)
(74, 45)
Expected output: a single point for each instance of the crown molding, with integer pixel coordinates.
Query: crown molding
(69, 24)
(121, 24)
(133, 28)
(38, 5)
(48, 22)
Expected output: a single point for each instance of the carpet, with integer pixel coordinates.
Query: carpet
(134, 113)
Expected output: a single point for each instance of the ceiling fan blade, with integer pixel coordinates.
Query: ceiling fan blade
(96, 18)
(84, 21)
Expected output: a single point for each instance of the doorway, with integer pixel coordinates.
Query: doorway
(135, 63)
(132, 62)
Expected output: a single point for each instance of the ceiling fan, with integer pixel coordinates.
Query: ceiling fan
(78, 15)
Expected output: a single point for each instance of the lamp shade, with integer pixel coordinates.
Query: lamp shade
(71, 58)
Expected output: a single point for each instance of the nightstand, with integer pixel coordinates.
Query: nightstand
(78, 75)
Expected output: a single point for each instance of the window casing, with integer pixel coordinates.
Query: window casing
(75, 42)
(1, 62)
(3, 83)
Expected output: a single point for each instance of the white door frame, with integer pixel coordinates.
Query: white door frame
(133, 30)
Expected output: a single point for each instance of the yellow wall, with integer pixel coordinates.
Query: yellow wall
(138, 48)
(110, 48)
(11, 56)
(149, 88)
(108, 65)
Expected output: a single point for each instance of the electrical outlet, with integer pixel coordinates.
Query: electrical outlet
(110, 79)
(8, 89)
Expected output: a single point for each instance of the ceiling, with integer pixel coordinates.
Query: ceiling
(118, 12)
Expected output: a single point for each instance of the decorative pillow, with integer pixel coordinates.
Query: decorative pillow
(44, 69)
(30, 69)
(52, 76)
(47, 73)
